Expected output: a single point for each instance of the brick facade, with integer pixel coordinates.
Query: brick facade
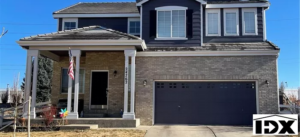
(252, 68)
(108, 61)
(255, 68)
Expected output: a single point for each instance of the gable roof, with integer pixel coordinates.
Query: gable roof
(85, 33)
(100, 8)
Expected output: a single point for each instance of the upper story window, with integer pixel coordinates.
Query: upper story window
(213, 24)
(134, 26)
(171, 22)
(249, 21)
(231, 22)
(69, 24)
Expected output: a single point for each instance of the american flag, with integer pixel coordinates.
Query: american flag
(71, 66)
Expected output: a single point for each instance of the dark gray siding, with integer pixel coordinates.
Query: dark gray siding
(191, 4)
(241, 38)
(119, 24)
(59, 24)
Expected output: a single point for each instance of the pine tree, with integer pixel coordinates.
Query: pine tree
(44, 79)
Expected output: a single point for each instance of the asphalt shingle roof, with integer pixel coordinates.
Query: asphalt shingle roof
(221, 47)
(85, 33)
(100, 8)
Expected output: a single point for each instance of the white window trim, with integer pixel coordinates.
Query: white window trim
(170, 8)
(236, 11)
(255, 18)
(128, 26)
(166, 8)
(69, 20)
(219, 21)
(74, 85)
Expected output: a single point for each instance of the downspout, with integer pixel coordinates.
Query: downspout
(141, 22)
(201, 24)
(264, 24)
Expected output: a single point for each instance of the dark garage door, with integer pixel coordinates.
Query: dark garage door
(208, 103)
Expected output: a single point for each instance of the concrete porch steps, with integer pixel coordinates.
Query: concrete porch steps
(79, 127)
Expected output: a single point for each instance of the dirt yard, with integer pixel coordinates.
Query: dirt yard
(84, 133)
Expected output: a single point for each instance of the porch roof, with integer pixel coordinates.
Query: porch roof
(86, 36)
(85, 33)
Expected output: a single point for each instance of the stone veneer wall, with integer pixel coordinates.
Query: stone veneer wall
(110, 61)
(260, 68)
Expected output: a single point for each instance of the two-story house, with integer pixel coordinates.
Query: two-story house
(161, 61)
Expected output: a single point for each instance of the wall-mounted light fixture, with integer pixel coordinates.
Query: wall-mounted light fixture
(267, 82)
(115, 73)
(145, 82)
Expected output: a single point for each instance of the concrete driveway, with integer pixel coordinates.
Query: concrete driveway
(199, 131)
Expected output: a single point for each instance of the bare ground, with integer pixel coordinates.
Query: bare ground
(82, 133)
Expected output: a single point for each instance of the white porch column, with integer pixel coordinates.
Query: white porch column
(69, 108)
(131, 114)
(74, 115)
(125, 111)
(30, 54)
(34, 83)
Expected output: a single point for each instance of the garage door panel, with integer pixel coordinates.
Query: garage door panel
(220, 103)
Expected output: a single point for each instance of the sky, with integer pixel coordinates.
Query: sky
(24, 18)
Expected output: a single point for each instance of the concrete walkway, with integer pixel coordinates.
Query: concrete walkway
(198, 131)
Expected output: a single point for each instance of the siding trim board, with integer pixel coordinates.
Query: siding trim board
(210, 53)
(95, 15)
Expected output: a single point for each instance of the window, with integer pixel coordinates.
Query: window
(69, 23)
(134, 26)
(231, 22)
(171, 22)
(249, 21)
(213, 24)
(65, 81)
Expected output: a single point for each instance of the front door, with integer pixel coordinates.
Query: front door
(99, 90)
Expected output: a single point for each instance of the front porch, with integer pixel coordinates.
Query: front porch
(104, 73)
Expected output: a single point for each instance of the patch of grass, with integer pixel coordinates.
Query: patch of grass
(83, 133)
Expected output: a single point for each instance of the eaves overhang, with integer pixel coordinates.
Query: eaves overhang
(138, 44)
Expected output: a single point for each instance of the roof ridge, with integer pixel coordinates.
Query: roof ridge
(67, 7)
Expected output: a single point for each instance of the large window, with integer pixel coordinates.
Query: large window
(213, 22)
(65, 81)
(249, 21)
(171, 22)
(134, 26)
(231, 22)
(69, 23)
